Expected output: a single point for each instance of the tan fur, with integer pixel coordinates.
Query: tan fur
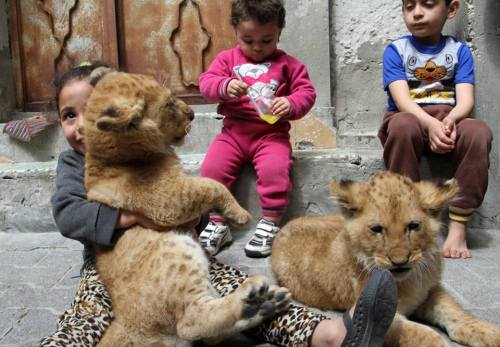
(324, 260)
(158, 281)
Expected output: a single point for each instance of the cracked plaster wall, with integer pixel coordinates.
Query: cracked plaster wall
(361, 30)
(484, 31)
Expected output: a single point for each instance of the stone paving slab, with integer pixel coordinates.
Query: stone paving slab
(39, 274)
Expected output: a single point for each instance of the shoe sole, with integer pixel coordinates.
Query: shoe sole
(381, 292)
(256, 254)
(375, 310)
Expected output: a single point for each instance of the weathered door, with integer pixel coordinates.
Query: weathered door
(173, 40)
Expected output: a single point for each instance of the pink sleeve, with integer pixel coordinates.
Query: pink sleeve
(214, 81)
(302, 93)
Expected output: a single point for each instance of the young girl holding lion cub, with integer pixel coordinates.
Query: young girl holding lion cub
(96, 224)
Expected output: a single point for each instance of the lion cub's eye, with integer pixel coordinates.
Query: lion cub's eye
(377, 229)
(414, 226)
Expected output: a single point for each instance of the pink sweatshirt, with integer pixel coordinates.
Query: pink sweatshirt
(281, 74)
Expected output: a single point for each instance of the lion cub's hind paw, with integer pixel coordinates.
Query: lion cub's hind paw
(262, 301)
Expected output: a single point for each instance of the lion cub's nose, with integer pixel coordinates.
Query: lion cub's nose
(190, 115)
(399, 260)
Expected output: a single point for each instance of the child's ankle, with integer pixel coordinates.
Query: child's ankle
(457, 228)
(217, 218)
(274, 220)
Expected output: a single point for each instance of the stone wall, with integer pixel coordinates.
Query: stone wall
(361, 30)
(484, 18)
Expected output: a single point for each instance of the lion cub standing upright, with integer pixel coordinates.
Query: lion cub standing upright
(388, 222)
(158, 281)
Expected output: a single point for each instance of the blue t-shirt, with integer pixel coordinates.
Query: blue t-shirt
(431, 72)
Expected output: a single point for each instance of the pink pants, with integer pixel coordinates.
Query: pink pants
(266, 147)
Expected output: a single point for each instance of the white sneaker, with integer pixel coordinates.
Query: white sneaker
(259, 246)
(214, 237)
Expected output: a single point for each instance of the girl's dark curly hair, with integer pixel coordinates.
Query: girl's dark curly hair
(448, 2)
(263, 11)
(77, 73)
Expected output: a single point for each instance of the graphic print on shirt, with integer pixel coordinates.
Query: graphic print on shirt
(261, 87)
(431, 81)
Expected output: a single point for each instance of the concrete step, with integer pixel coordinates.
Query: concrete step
(311, 132)
(359, 140)
(26, 188)
(51, 142)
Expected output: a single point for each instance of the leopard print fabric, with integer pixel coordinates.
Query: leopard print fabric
(84, 323)
(90, 314)
(293, 328)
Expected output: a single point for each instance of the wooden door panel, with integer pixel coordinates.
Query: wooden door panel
(50, 36)
(174, 40)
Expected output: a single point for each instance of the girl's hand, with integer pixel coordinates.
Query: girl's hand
(129, 218)
(281, 107)
(236, 88)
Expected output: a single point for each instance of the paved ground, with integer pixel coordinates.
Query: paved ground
(39, 275)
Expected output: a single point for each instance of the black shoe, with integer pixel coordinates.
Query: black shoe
(374, 311)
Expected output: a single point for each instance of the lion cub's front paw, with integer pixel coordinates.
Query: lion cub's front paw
(238, 215)
(261, 301)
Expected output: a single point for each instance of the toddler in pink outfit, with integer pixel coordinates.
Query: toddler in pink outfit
(253, 70)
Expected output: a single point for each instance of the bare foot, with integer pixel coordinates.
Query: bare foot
(455, 245)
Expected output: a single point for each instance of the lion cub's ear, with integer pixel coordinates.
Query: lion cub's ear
(435, 196)
(347, 193)
(98, 73)
(121, 115)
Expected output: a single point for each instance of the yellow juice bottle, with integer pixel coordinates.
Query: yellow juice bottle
(269, 118)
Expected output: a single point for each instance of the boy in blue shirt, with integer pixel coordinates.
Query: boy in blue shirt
(429, 79)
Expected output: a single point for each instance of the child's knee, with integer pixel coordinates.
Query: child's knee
(403, 120)
(477, 134)
(405, 127)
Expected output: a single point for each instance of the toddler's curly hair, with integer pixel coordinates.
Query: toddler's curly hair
(263, 11)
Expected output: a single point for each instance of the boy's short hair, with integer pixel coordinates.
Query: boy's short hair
(263, 11)
(448, 2)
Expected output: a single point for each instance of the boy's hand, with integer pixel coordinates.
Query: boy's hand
(450, 128)
(129, 218)
(439, 141)
(281, 107)
(236, 88)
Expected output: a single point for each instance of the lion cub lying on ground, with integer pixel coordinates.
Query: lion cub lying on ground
(388, 222)
(158, 281)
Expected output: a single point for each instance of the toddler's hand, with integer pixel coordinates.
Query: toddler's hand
(281, 107)
(236, 88)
